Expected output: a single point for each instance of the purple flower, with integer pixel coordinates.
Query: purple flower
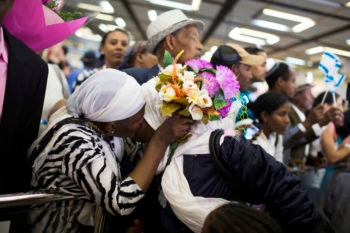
(197, 64)
(45, 1)
(225, 110)
(210, 83)
(228, 81)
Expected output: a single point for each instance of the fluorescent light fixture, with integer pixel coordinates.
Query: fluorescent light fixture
(194, 6)
(348, 42)
(107, 27)
(347, 4)
(87, 34)
(104, 17)
(314, 50)
(152, 15)
(321, 49)
(326, 2)
(270, 25)
(304, 22)
(120, 22)
(295, 61)
(89, 7)
(213, 49)
(207, 56)
(107, 7)
(253, 36)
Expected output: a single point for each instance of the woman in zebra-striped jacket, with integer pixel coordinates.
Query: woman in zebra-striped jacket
(74, 155)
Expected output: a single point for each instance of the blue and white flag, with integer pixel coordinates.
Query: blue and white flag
(331, 66)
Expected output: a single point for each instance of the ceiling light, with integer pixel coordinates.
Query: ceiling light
(270, 25)
(320, 49)
(304, 22)
(253, 36)
(338, 51)
(314, 50)
(87, 34)
(104, 17)
(213, 49)
(347, 4)
(107, 27)
(89, 7)
(295, 61)
(347, 42)
(326, 2)
(120, 22)
(152, 15)
(107, 7)
(194, 6)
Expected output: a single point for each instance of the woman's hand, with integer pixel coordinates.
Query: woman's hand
(174, 128)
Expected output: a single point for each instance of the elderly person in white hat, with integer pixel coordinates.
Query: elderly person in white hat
(75, 155)
(172, 31)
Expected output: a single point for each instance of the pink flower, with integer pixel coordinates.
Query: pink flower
(197, 64)
(210, 83)
(228, 81)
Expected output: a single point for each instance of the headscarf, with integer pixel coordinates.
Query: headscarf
(108, 95)
(191, 210)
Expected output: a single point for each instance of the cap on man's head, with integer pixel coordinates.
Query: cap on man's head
(167, 23)
(301, 82)
(89, 57)
(234, 54)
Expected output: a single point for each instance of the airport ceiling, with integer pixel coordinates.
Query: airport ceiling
(331, 18)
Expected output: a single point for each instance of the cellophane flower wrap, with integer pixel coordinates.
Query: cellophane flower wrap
(196, 89)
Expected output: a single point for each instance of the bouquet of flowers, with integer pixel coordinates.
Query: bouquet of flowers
(196, 89)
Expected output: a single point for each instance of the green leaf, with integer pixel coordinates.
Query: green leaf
(168, 59)
(219, 100)
(169, 107)
(165, 78)
(184, 112)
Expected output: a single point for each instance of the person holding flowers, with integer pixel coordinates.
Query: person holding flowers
(191, 184)
(172, 31)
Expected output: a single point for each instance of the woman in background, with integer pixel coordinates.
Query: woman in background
(272, 110)
(113, 46)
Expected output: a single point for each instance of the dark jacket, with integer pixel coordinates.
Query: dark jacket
(23, 102)
(142, 75)
(260, 180)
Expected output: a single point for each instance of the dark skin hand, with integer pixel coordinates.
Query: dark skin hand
(173, 129)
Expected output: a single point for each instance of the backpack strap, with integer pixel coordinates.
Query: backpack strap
(231, 179)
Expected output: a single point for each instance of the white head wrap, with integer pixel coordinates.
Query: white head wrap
(108, 95)
(191, 210)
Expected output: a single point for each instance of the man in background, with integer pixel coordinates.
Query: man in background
(172, 31)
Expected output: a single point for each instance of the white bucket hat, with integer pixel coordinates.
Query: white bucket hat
(167, 23)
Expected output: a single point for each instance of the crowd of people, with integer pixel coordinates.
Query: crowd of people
(275, 163)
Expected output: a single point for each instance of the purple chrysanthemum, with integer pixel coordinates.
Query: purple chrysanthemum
(225, 110)
(228, 81)
(197, 64)
(210, 83)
